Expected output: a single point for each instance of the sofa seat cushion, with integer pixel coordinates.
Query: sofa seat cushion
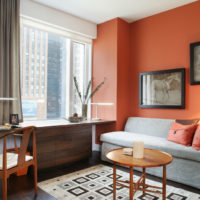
(126, 139)
(12, 159)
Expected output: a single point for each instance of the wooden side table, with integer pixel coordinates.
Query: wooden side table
(152, 158)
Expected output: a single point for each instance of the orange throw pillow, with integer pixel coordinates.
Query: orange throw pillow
(196, 140)
(181, 134)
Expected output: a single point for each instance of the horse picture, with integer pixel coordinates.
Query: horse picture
(162, 88)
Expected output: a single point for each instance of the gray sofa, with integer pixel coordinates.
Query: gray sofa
(185, 167)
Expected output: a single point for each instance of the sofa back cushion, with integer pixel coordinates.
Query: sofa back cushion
(148, 126)
(181, 134)
(187, 121)
(196, 139)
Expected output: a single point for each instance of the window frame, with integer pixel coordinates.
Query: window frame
(73, 38)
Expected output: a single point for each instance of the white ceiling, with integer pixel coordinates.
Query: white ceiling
(98, 11)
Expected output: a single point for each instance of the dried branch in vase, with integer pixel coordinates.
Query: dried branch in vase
(86, 97)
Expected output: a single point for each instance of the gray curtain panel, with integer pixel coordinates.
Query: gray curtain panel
(10, 60)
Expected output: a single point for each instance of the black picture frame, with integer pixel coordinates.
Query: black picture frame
(14, 119)
(162, 78)
(194, 60)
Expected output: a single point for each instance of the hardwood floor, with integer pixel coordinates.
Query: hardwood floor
(21, 188)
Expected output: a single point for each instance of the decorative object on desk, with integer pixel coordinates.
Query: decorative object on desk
(195, 63)
(96, 108)
(84, 111)
(6, 101)
(75, 118)
(6, 126)
(14, 120)
(162, 89)
(128, 151)
(86, 97)
(138, 149)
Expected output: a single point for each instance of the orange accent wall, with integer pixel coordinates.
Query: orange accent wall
(162, 42)
(111, 59)
(105, 66)
(122, 50)
(123, 73)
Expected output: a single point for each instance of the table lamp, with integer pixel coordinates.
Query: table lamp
(96, 108)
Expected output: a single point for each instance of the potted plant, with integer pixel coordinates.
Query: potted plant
(86, 97)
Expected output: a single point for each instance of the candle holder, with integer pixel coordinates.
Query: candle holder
(138, 149)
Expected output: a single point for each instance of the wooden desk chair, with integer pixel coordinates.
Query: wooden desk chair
(15, 159)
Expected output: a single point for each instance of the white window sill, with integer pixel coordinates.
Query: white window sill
(62, 122)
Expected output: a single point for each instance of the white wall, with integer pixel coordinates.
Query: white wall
(38, 11)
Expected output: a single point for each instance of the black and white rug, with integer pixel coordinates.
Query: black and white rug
(95, 183)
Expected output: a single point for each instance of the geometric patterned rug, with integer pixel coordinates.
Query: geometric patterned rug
(95, 183)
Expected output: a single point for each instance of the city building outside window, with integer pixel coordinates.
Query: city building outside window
(49, 61)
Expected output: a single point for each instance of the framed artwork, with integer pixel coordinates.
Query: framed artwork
(162, 89)
(195, 63)
(14, 119)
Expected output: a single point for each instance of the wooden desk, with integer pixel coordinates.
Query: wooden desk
(63, 142)
(60, 142)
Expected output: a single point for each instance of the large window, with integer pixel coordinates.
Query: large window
(49, 62)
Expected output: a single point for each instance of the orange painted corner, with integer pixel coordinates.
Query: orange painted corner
(162, 42)
(121, 51)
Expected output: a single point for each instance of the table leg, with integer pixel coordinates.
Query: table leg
(131, 184)
(114, 181)
(164, 182)
(144, 178)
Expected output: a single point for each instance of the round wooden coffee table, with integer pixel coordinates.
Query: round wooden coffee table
(152, 158)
